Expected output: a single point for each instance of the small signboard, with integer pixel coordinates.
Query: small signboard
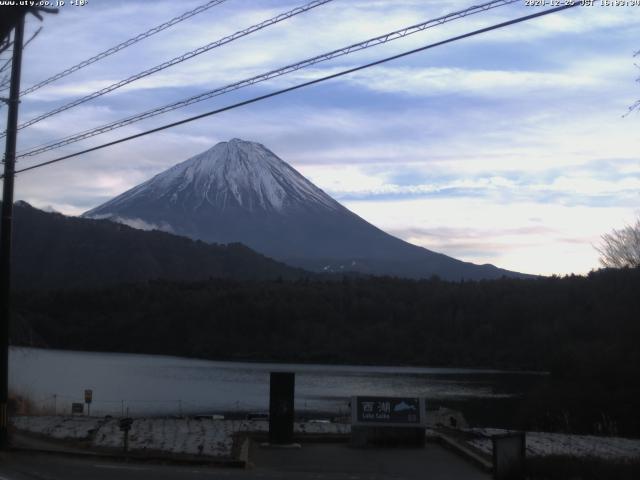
(125, 424)
(77, 408)
(387, 411)
(88, 396)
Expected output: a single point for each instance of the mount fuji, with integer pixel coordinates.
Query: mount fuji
(240, 191)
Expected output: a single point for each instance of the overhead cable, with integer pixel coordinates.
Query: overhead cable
(388, 37)
(125, 44)
(176, 60)
(301, 85)
(8, 62)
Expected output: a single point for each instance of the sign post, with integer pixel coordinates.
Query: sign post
(77, 408)
(387, 421)
(125, 426)
(88, 396)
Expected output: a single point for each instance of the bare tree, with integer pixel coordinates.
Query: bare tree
(621, 248)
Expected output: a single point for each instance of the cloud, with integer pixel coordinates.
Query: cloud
(524, 236)
(486, 83)
(566, 187)
(136, 223)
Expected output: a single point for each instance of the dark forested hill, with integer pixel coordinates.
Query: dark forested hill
(55, 251)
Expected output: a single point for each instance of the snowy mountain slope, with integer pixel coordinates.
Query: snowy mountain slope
(234, 174)
(240, 191)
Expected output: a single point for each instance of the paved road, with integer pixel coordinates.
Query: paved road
(314, 461)
(29, 466)
(431, 462)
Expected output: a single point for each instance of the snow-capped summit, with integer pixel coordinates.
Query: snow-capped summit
(232, 175)
(240, 191)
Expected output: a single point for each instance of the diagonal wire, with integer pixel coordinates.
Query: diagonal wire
(5, 81)
(125, 44)
(267, 76)
(5, 65)
(35, 34)
(4, 46)
(8, 62)
(174, 61)
(305, 84)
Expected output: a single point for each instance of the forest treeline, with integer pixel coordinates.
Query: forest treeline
(584, 330)
(565, 324)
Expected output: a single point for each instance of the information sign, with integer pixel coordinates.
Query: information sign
(390, 411)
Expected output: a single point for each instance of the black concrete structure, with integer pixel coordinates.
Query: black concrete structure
(281, 408)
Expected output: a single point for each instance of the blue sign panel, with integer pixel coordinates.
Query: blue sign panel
(387, 410)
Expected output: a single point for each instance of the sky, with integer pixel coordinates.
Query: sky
(510, 148)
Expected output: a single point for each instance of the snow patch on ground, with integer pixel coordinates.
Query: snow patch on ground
(60, 428)
(215, 437)
(542, 444)
(172, 435)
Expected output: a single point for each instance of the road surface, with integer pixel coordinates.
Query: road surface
(314, 461)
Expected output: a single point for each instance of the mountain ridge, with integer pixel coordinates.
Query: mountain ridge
(52, 250)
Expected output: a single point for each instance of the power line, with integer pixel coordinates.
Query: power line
(125, 44)
(6, 81)
(302, 85)
(267, 76)
(174, 61)
(35, 34)
(5, 65)
(7, 44)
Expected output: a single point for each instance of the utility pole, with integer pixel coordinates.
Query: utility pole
(5, 226)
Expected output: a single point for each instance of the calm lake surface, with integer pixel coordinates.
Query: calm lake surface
(162, 385)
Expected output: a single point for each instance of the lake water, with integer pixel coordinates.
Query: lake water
(162, 385)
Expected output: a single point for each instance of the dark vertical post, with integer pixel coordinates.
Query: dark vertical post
(281, 409)
(125, 426)
(5, 226)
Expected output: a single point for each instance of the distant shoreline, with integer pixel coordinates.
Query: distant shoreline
(460, 370)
